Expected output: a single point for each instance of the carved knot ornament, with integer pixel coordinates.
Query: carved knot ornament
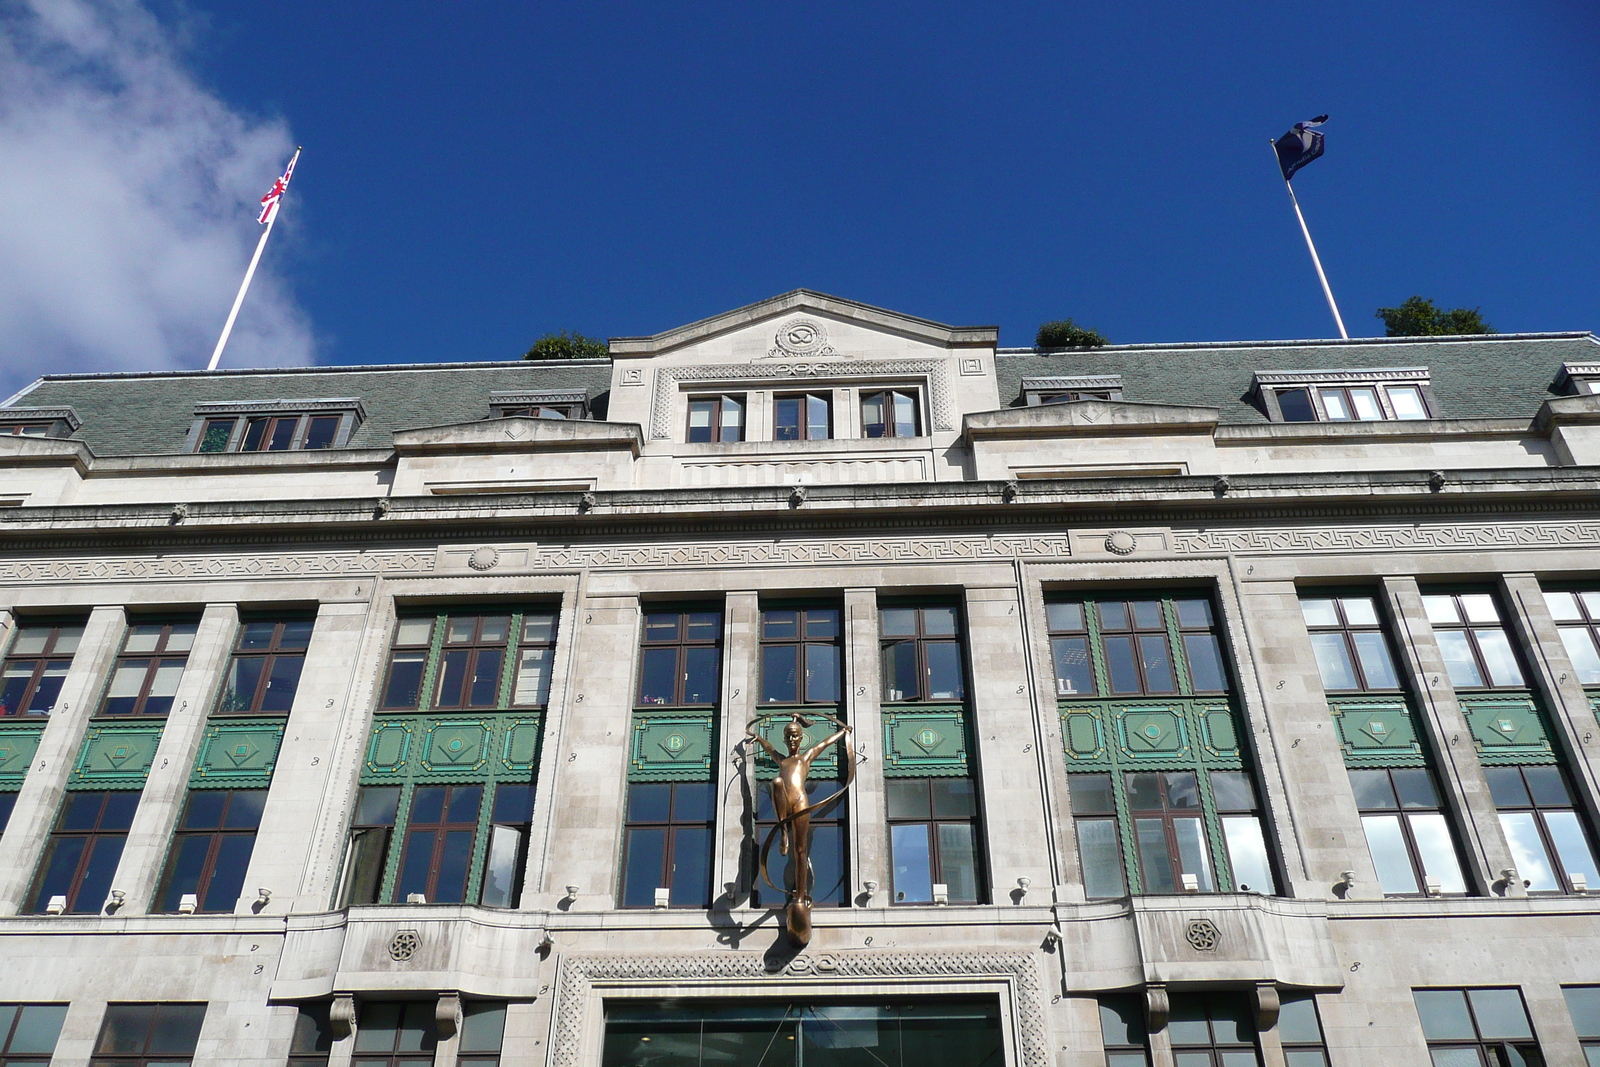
(801, 337)
(1203, 935)
(404, 945)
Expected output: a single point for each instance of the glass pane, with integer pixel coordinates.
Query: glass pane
(1073, 677)
(452, 678)
(377, 805)
(1182, 789)
(1440, 609)
(786, 419)
(1205, 662)
(48, 690)
(939, 622)
(661, 626)
(256, 636)
(1187, 1022)
(67, 638)
(495, 630)
(1119, 661)
(321, 432)
(1389, 855)
(958, 862)
(1583, 1004)
(125, 686)
(1192, 852)
(1365, 402)
(872, 419)
(1437, 851)
(732, 419)
(1500, 1013)
(1064, 616)
(214, 438)
(187, 863)
(1193, 612)
(780, 625)
(1101, 858)
(1527, 851)
(454, 859)
(701, 667)
(1498, 657)
(907, 798)
(464, 803)
(658, 675)
(1443, 1013)
(823, 673)
(1581, 650)
(483, 1028)
(1192, 1059)
(181, 637)
(1415, 786)
(1233, 791)
(700, 419)
(405, 680)
(1238, 1058)
(1376, 663)
(900, 681)
(1572, 845)
(780, 683)
(145, 637)
(1091, 793)
(283, 683)
(1147, 615)
(1591, 604)
(691, 867)
(1319, 612)
(1458, 658)
(1335, 407)
(898, 622)
(1122, 1021)
(416, 1028)
(1506, 787)
(1247, 854)
(31, 640)
(538, 626)
(1407, 402)
(165, 682)
(414, 869)
(913, 879)
(204, 810)
(1296, 405)
(953, 797)
(1113, 615)
(818, 422)
(696, 801)
(945, 680)
(1479, 607)
(414, 631)
(649, 802)
(905, 415)
(1359, 610)
(1563, 607)
(282, 434)
(1305, 1057)
(485, 689)
(1333, 659)
(822, 622)
(125, 1028)
(244, 809)
(227, 875)
(1297, 1020)
(38, 1027)
(1154, 861)
(533, 677)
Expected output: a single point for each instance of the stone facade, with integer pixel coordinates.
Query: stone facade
(994, 503)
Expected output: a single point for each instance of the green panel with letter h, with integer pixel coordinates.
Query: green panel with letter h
(116, 757)
(1507, 729)
(925, 742)
(669, 747)
(1377, 732)
(18, 743)
(237, 754)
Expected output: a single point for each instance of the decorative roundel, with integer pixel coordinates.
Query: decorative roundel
(802, 337)
(1121, 543)
(484, 558)
(404, 945)
(1203, 934)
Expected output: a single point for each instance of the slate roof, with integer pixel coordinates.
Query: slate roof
(144, 414)
(1499, 376)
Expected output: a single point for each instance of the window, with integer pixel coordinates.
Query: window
(668, 843)
(1135, 644)
(81, 858)
(439, 837)
(808, 417)
(1343, 396)
(1477, 1028)
(680, 663)
(1548, 839)
(226, 430)
(28, 1032)
(371, 830)
(1169, 831)
(1347, 637)
(509, 823)
(1211, 1031)
(212, 849)
(922, 654)
(543, 404)
(1408, 835)
(148, 1035)
(541, 411)
(716, 418)
(801, 657)
(894, 413)
(313, 1037)
(469, 658)
(1122, 1030)
(1242, 832)
(24, 429)
(1300, 1031)
(1295, 404)
(1577, 615)
(37, 666)
(396, 1034)
(1094, 812)
(830, 884)
(1583, 1004)
(1476, 649)
(1066, 389)
(483, 1027)
(149, 668)
(1356, 404)
(265, 670)
(933, 838)
(8, 801)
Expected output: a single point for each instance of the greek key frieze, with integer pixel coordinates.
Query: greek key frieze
(1387, 538)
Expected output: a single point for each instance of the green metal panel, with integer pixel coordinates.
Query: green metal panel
(1153, 733)
(116, 757)
(389, 747)
(671, 747)
(18, 743)
(826, 765)
(925, 742)
(519, 752)
(237, 754)
(1377, 732)
(1083, 733)
(456, 749)
(1507, 728)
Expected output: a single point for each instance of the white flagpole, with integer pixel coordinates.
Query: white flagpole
(1315, 260)
(244, 286)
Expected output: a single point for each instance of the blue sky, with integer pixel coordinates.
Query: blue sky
(477, 174)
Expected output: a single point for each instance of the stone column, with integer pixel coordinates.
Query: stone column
(300, 777)
(741, 676)
(869, 834)
(40, 797)
(1461, 780)
(1016, 817)
(168, 781)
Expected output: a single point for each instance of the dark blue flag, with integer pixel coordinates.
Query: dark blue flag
(1299, 146)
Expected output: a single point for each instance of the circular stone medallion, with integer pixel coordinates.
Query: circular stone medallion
(483, 558)
(1121, 543)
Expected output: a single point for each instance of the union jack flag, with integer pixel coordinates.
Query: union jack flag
(269, 203)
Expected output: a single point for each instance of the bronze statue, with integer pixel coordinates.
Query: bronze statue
(795, 811)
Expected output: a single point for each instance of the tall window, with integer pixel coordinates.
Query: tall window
(801, 656)
(681, 661)
(371, 830)
(1583, 1004)
(1547, 835)
(148, 1035)
(212, 848)
(893, 413)
(922, 653)
(1477, 1028)
(1169, 830)
(1477, 651)
(808, 417)
(264, 673)
(8, 801)
(1352, 651)
(471, 659)
(1407, 832)
(830, 884)
(439, 839)
(149, 668)
(81, 858)
(1300, 1031)
(1094, 812)
(483, 1027)
(313, 1037)
(716, 418)
(668, 843)
(28, 1032)
(36, 666)
(933, 838)
(1122, 1030)
(1577, 617)
(396, 1034)
(1211, 1030)
(1135, 638)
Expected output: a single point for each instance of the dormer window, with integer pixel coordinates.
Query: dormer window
(37, 422)
(25, 429)
(1067, 388)
(564, 404)
(1581, 379)
(1375, 395)
(274, 425)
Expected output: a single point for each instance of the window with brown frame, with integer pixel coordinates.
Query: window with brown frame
(890, 413)
(1348, 639)
(312, 1041)
(1408, 834)
(922, 654)
(28, 1032)
(212, 848)
(289, 431)
(1549, 838)
(440, 833)
(396, 1034)
(149, 668)
(541, 411)
(801, 656)
(1212, 1030)
(483, 1028)
(81, 857)
(1071, 395)
(680, 659)
(470, 664)
(1300, 1032)
(1169, 830)
(806, 417)
(1583, 1004)
(830, 882)
(371, 830)
(37, 665)
(25, 429)
(1477, 651)
(1470, 1027)
(933, 839)
(716, 418)
(265, 670)
(667, 843)
(148, 1035)
(1577, 617)
(1123, 1032)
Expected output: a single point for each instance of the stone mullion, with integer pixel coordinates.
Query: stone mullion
(735, 777)
(865, 811)
(1068, 884)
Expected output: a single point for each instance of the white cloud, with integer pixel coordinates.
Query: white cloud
(127, 196)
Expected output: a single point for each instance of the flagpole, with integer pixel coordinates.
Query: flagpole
(250, 272)
(1316, 261)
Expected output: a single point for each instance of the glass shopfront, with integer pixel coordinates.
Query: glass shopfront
(912, 1033)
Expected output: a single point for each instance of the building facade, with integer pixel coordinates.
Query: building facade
(1214, 704)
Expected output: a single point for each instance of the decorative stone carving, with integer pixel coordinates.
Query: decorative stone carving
(1121, 543)
(1202, 935)
(1396, 538)
(342, 1016)
(403, 945)
(484, 558)
(801, 337)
